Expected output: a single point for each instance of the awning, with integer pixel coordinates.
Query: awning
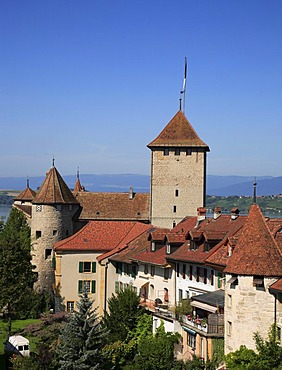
(189, 330)
(204, 306)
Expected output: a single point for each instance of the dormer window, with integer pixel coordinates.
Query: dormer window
(193, 245)
(229, 251)
(258, 282)
(168, 248)
(153, 246)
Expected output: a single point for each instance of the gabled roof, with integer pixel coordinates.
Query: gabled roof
(256, 252)
(26, 195)
(113, 206)
(102, 236)
(276, 286)
(54, 190)
(178, 132)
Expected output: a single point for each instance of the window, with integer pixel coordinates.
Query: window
(176, 192)
(37, 234)
(153, 246)
(233, 282)
(177, 269)
(119, 268)
(174, 209)
(58, 207)
(188, 151)
(70, 306)
(183, 271)
(153, 269)
(48, 252)
(55, 232)
(193, 245)
(191, 272)
(180, 294)
(146, 270)
(229, 328)
(173, 224)
(258, 282)
(87, 266)
(39, 208)
(166, 151)
(198, 271)
(191, 340)
(168, 248)
(212, 277)
(134, 271)
(229, 300)
(166, 273)
(116, 286)
(86, 286)
(177, 151)
(205, 276)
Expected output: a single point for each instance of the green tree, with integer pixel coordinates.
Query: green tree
(121, 318)
(156, 352)
(16, 276)
(82, 339)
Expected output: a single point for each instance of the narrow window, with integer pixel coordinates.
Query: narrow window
(177, 269)
(176, 192)
(38, 234)
(183, 271)
(188, 151)
(70, 306)
(166, 151)
(119, 268)
(134, 271)
(146, 270)
(190, 272)
(180, 295)
(205, 276)
(168, 248)
(212, 277)
(55, 232)
(153, 246)
(152, 270)
(48, 252)
(229, 328)
(198, 274)
(166, 273)
(229, 300)
(173, 224)
(174, 209)
(177, 151)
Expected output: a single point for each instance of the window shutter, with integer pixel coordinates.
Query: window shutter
(93, 266)
(79, 286)
(116, 287)
(80, 266)
(93, 286)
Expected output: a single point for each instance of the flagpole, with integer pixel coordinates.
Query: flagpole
(183, 91)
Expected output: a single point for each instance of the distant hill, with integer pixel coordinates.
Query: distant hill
(216, 185)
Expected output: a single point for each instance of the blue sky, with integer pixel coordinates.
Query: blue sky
(92, 82)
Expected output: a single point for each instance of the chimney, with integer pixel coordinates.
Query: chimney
(234, 213)
(216, 212)
(131, 193)
(201, 214)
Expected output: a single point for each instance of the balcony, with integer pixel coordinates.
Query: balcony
(213, 324)
(163, 310)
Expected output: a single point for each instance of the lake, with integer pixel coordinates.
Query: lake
(4, 212)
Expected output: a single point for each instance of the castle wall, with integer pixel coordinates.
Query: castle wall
(49, 224)
(248, 309)
(177, 185)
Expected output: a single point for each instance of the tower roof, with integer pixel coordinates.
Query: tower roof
(27, 194)
(54, 190)
(257, 252)
(178, 132)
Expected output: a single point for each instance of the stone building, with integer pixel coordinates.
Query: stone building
(178, 173)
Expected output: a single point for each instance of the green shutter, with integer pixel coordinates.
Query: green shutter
(80, 267)
(79, 286)
(116, 287)
(93, 266)
(93, 286)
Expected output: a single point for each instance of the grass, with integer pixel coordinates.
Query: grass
(17, 327)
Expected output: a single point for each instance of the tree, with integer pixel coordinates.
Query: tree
(156, 352)
(124, 309)
(82, 339)
(16, 275)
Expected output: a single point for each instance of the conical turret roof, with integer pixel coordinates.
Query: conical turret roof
(26, 195)
(257, 252)
(178, 132)
(54, 190)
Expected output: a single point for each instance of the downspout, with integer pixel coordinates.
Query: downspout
(105, 288)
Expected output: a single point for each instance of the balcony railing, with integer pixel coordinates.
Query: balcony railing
(214, 324)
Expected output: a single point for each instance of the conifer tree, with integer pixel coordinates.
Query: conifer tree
(82, 339)
(16, 276)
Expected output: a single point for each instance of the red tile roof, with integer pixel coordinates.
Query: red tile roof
(178, 132)
(26, 195)
(54, 190)
(277, 286)
(24, 208)
(101, 236)
(256, 252)
(77, 186)
(114, 206)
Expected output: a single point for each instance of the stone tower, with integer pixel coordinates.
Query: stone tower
(53, 209)
(178, 173)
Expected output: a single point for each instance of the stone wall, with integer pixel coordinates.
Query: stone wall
(177, 186)
(248, 309)
(49, 224)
